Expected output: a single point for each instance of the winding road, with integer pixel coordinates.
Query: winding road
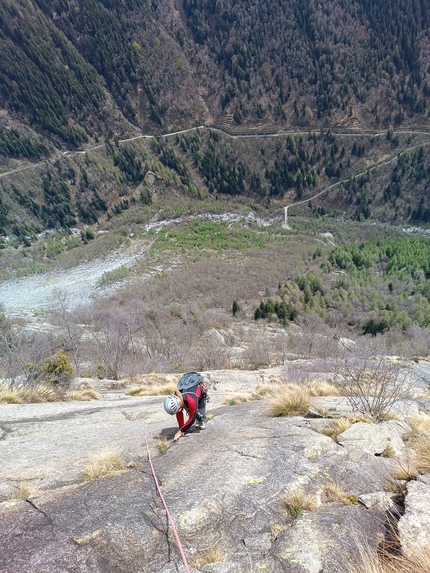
(281, 133)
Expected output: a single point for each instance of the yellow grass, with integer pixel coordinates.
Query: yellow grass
(389, 452)
(422, 456)
(337, 427)
(264, 390)
(106, 463)
(22, 492)
(163, 444)
(406, 471)
(417, 560)
(291, 400)
(235, 399)
(394, 486)
(211, 555)
(322, 388)
(420, 424)
(154, 390)
(296, 501)
(26, 393)
(340, 425)
(419, 440)
(334, 493)
(83, 394)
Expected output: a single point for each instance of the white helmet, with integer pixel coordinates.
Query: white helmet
(172, 404)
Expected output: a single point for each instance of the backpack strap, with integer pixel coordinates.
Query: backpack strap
(177, 393)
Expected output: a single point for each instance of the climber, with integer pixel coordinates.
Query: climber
(191, 395)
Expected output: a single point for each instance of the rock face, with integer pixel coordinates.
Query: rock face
(225, 487)
(414, 525)
(375, 438)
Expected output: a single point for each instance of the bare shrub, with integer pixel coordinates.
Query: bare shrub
(70, 332)
(22, 352)
(209, 354)
(168, 340)
(295, 373)
(373, 382)
(257, 354)
(114, 333)
(414, 342)
(314, 339)
(279, 348)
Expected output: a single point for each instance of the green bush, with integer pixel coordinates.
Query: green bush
(56, 370)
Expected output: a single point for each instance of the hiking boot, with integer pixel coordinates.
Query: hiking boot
(202, 425)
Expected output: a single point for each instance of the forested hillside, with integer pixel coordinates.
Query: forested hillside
(295, 62)
(352, 76)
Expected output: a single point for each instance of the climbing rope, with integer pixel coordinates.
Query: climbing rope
(178, 541)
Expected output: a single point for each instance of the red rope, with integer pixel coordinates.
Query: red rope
(178, 541)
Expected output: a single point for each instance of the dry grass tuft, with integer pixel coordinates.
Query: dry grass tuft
(105, 464)
(297, 501)
(290, 401)
(22, 492)
(154, 390)
(322, 388)
(210, 555)
(83, 394)
(340, 425)
(422, 456)
(163, 444)
(265, 390)
(389, 452)
(420, 424)
(405, 471)
(419, 440)
(235, 399)
(394, 486)
(334, 493)
(35, 393)
(337, 427)
(368, 561)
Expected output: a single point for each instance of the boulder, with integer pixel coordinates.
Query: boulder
(381, 499)
(375, 438)
(414, 525)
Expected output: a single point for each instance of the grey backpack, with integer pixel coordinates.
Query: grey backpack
(189, 380)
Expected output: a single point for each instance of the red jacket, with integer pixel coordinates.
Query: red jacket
(191, 401)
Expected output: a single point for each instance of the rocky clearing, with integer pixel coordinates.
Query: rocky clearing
(224, 486)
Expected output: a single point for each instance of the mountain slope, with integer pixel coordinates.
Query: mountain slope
(80, 74)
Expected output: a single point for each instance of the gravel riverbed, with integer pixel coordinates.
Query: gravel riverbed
(31, 297)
